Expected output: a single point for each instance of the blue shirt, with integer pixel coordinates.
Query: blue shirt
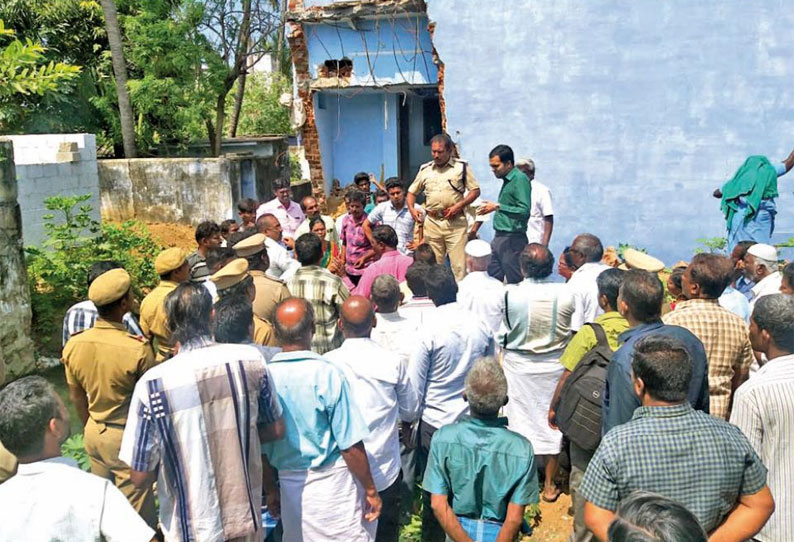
(401, 220)
(620, 402)
(320, 416)
(483, 466)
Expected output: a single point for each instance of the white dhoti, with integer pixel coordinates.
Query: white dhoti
(531, 380)
(325, 504)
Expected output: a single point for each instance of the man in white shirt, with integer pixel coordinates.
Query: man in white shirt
(420, 307)
(50, 498)
(760, 266)
(282, 264)
(586, 253)
(311, 209)
(384, 395)
(394, 331)
(450, 340)
(541, 212)
(763, 408)
(288, 212)
(479, 292)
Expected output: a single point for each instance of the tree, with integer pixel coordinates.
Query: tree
(120, 72)
(23, 73)
(240, 32)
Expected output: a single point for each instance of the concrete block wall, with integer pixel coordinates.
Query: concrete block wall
(40, 175)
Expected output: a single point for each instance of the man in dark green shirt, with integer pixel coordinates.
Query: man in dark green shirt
(511, 217)
(480, 474)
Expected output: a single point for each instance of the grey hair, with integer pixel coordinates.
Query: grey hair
(26, 407)
(479, 263)
(385, 293)
(647, 517)
(589, 246)
(775, 314)
(189, 312)
(771, 265)
(486, 387)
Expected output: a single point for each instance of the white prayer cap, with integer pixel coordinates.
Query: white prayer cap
(763, 251)
(478, 248)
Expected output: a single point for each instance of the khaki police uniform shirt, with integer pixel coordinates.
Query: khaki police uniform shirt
(154, 322)
(263, 332)
(106, 361)
(435, 182)
(269, 293)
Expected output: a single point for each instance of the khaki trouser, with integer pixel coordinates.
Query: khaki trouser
(448, 237)
(102, 443)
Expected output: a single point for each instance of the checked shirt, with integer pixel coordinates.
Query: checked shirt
(727, 343)
(686, 455)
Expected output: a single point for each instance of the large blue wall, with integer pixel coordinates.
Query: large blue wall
(634, 111)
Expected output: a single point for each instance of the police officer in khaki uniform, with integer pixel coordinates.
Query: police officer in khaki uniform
(444, 182)
(171, 264)
(269, 291)
(234, 279)
(102, 366)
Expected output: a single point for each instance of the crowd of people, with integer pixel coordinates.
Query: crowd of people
(298, 377)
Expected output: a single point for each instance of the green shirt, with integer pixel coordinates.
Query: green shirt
(585, 340)
(484, 466)
(514, 203)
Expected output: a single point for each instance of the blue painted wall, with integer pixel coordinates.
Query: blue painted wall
(384, 51)
(358, 132)
(634, 111)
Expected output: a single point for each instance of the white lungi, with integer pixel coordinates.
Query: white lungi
(324, 504)
(531, 380)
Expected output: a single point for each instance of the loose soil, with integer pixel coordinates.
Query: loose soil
(173, 235)
(555, 523)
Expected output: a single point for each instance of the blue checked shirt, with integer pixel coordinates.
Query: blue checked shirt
(83, 315)
(702, 462)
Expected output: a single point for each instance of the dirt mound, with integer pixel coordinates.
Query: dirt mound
(173, 235)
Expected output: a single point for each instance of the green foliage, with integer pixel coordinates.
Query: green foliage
(623, 246)
(786, 244)
(58, 270)
(714, 245)
(74, 447)
(262, 114)
(294, 168)
(24, 72)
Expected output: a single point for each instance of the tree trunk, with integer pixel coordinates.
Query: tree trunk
(120, 73)
(280, 38)
(238, 103)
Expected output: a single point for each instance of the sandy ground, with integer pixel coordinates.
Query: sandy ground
(555, 523)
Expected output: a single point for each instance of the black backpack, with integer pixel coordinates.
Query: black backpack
(578, 413)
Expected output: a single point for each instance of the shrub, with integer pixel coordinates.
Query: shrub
(58, 270)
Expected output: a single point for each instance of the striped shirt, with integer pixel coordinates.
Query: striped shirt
(727, 343)
(196, 416)
(702, 462)
(326, 292)
(83, 315)
(764, 410)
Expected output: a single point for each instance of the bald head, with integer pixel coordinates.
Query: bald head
(294, 324)
(358, 317)
(310, 206)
